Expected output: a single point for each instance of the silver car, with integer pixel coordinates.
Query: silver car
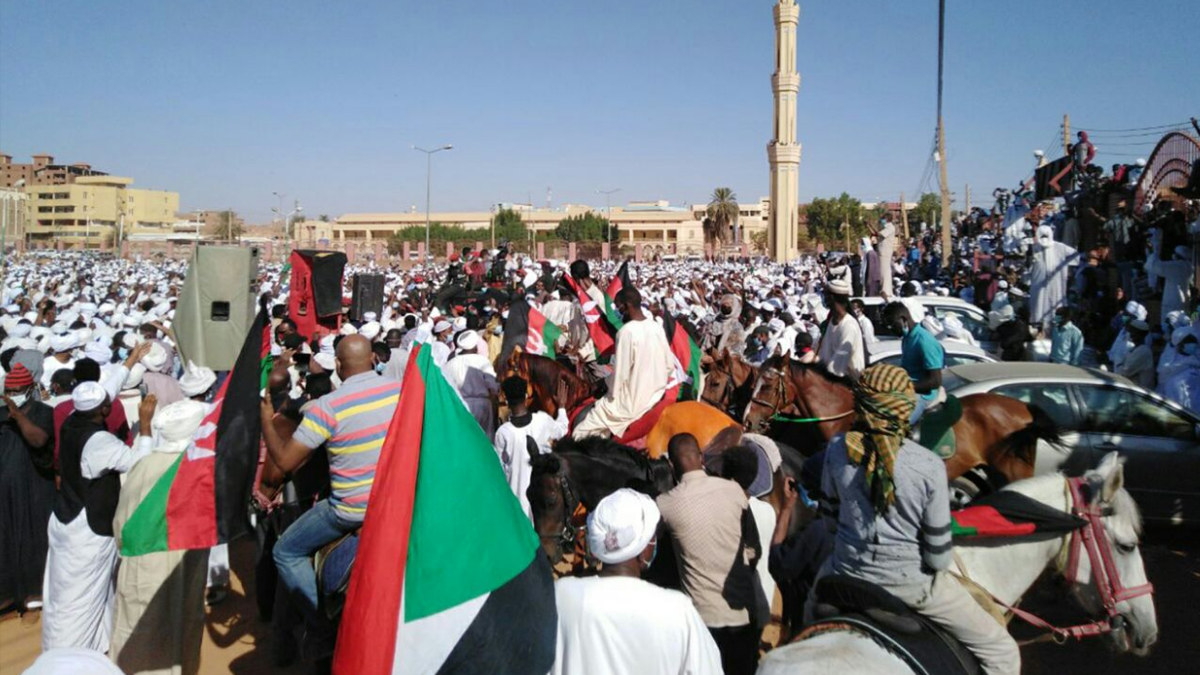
(1099, 412)
(887, 350)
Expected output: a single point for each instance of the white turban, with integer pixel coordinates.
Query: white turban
(468, 341)
(1136, 310)
(175, 426)
(88, 396)
(196, 380)
(370, 330)
(325, 360)
(98, 353)
(62, 343)
(349, 329)
(441, 326)
(156, 358)
(326, 345)
(370, 316)
(621, 526)
(21, 330)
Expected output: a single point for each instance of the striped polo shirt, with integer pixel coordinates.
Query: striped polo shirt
(352, 420)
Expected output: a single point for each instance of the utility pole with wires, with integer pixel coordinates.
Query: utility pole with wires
(947, 244)
(967, 208)
(1066, 134)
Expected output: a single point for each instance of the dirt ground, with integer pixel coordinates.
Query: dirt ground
(237, 642)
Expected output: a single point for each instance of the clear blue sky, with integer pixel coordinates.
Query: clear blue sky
(226, 101)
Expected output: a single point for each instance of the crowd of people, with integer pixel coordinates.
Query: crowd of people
(99, 402)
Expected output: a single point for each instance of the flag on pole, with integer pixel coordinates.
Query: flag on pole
(1054, 179)
(686, 354)
(598, 329)
(201, 500)
(619, 282)
(450, 577)
(530, 329)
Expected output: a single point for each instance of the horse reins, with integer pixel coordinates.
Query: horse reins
(782, 395)
(1092, 538)
(568, 533)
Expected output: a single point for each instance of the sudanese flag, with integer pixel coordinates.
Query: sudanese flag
(450, 576)
(530, 329)
(598, 327)
(686, 355)
(201, 500)
(1009, 514)
(619, 283)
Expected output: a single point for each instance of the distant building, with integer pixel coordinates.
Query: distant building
(92, 209)
(205, 224)
(655, 224)
(41, 171)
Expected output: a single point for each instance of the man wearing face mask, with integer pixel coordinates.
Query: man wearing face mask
(26, 490)
(726, 331)
(1066, 341)
(616, 623)
(443, 338)
(351, 422)
(921, 356)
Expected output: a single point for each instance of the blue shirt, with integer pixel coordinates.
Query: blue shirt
(1066, 344)
(920, 353)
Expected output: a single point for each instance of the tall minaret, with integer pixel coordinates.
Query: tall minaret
(784, 152)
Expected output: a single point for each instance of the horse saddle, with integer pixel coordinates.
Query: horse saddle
(865, 607)
(935, 429)
(333, 564)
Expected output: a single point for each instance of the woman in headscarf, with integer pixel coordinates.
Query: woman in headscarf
(726, 331)
(893, 518)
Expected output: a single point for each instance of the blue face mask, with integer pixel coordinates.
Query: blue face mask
(379, 367)
(123, 353)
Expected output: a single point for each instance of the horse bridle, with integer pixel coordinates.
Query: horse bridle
(726, 390)
(570, 501)
(1093, 538)
(781, 391)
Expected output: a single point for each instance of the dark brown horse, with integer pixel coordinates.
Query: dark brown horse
(995, 431)
(548, 381)
(729, 384)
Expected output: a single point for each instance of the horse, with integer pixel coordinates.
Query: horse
(1109, 580)
(729, 384)
(995, 431)
(545, 377)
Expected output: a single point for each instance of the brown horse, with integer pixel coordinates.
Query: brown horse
(995, 431)
(729, 384)
(546, 377)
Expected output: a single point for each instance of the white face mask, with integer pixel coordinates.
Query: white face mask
(19, 399)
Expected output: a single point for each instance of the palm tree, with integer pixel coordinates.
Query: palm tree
(723, 212)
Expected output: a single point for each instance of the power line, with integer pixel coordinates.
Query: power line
(1160, 126)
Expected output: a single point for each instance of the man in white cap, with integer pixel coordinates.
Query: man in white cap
(61, 356)
(471, 375)
(616, 623)
(152, 633)
(197, 382)
(841, 349)
(1123, 344)
(80, 568)
(443, 336)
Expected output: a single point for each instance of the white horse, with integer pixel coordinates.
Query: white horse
(1007, 570)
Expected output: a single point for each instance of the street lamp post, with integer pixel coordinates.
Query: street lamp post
(608, 208)
(428, 187)
(288, 221)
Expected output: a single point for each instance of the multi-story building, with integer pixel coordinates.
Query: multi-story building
(655, 224)
(92, 210)
(41, 171)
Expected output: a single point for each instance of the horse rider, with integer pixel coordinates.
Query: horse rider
(893, 519)
(841, 349)
(351, 421)
(642, 370)
(921, 356)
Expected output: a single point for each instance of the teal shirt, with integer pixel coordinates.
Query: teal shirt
(920, 353)
(1066, 344)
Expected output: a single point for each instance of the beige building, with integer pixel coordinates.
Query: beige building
(93, 209)
(654, 224)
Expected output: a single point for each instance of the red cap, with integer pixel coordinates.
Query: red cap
(453, 257)
(18, 378)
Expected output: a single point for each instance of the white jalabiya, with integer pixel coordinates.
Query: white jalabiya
(642, 369)
(887, 253)
(474, 378)
(623, 625)
(78, 592)
(1048, 279)
(841, 348)
(512, 448)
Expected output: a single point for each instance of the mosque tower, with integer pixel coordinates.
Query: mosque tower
(783, 152)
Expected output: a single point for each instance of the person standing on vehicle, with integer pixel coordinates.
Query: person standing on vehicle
(893, 519)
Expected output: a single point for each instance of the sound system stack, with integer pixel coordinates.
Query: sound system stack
(216, 305)
(368, 296)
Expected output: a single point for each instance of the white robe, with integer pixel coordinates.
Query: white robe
(841, 348)
(1177, 274)
(1184, 386)
(1048, 281)
(512, 450)
(887, 253)
(642, 369)
(609, 625)
(474, 378)
(79, 587)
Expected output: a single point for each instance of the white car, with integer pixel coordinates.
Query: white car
(1098, 412)
(887, 350)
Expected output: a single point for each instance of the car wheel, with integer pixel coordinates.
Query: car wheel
(967, 487)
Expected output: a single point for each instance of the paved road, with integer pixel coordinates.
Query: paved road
(1173, 566)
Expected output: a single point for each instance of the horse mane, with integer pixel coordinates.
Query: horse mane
(614, 455)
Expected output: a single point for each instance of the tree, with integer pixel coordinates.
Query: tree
(926, 211)
(586, 227)
(227, 226)
(723, 212)
(323, 218)
(828, 218)
(758, 241)
(509, 225)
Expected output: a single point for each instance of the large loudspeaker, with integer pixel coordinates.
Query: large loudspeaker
(315, 291)
(216, 306)
(368, 295)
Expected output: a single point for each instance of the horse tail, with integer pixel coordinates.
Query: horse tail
(1022, 443)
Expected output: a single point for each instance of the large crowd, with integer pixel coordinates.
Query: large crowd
(99, 402)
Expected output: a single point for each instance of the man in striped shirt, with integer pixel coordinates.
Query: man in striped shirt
(351, 422)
